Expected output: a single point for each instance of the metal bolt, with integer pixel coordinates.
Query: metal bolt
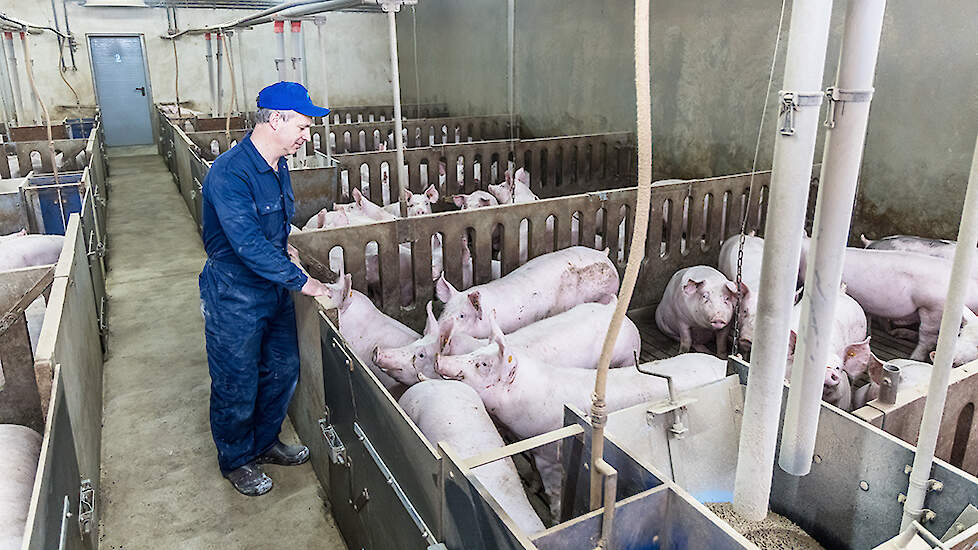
(935, 486)
(863, 485)
(901, 498)
(451, 475)
(817, 459)
(907, 469)
(929, 515)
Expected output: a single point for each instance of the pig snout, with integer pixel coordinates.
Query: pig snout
(718, 323)
(831, 377)
(445, 369)
(375, 357)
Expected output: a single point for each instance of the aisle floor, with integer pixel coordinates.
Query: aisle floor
(161, 487)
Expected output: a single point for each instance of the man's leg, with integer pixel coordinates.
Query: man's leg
(278, 372)
(233, 330)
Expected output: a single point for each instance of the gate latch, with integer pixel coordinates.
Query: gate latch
(337, 451)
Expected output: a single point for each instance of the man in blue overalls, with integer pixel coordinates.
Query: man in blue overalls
(249, 316)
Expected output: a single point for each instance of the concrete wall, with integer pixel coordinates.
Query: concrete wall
(359, 65)
(710, 68)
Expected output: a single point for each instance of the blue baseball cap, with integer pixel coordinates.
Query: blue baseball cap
(289, 96)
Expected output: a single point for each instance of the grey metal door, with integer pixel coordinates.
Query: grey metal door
(122, 89)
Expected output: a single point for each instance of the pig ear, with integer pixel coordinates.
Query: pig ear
(933, 355)
(406, 194)
(347, 287)
(875, 369)
(459, 201)
(431, 325)
(432, 193)
(357, 197)
(509, 177)
(476, 299)
(444, 290)
(523, 177)
(497, 333)
(968, 316)
(691, 287)
(857, 358)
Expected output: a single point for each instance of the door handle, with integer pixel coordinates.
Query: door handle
(142, 90)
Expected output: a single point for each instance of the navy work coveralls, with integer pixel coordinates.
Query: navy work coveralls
(249, 316)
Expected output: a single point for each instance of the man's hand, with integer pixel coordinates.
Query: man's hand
(314, 287)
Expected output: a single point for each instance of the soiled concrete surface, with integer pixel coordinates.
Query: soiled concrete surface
(161, 486)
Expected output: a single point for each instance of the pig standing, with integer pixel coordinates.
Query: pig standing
(514, 190)
(21, 450)
(452, 412)
(475, 199)
(938, 248)
(750, 276)
(696, 308)
(418, 204)
(544, 286)
(364, 327)
(903, 285)
(29, 250)
(528, 396)
(571, 339)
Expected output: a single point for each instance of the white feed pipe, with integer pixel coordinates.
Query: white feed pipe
(930, 424)
(320, 23)
(244, 107)
(280, 68)
(794, 148)
(5, 89)
(8, 40)
(210, 72)
(402, 178)
(220, 74)
(29, 67)
(298, 52)
(848, 114)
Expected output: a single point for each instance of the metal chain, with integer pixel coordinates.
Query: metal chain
(750, 190)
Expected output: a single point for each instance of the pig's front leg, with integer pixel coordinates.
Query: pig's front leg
(930, 326)
(685, 338)
(722, 335)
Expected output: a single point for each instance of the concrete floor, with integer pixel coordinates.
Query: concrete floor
(161, 487)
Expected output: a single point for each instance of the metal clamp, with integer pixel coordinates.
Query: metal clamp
(837, 95)
(86, 507)
(673, 405)
(335, 447)
(790, 102)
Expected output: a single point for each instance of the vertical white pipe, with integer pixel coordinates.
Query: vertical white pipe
(402, 179)
(6, 90)
(841, 160)
(320, 23)
(34, 99)
(280, 51)
(8, 39)
(245, 106)
(210, 72)
(298, 52)
(220, 74)
(511, 58)
(958, 288)
(793, 155)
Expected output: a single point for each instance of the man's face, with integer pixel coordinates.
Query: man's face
(292, 133)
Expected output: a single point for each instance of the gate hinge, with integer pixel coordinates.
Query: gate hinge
(86, 507)
(337, 451)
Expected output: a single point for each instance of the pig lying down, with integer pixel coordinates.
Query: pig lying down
(543, 287)
(697, 307)
(569, 339)
(21, 447)
(452, 412)
(938, 248)
(19, 250)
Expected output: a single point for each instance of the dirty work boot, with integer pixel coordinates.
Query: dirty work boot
(285, 455)
(249, 480)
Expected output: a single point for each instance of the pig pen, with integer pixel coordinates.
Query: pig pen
(713, 209)
(58, 387)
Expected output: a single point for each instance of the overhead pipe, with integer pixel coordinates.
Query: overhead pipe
(71, 41)
(297, 52)
(794, 149)
(57, 27)
(210, 72)
(30, 26)
(282, 11)
(219, 69)
(6, 90)
(8, 40)
(392, 7)
(930, 424)
(320, 23)
(280, 68)
(848, 116)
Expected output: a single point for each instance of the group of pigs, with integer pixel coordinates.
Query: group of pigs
(21, 445)
(902, 279)
(515, 349)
